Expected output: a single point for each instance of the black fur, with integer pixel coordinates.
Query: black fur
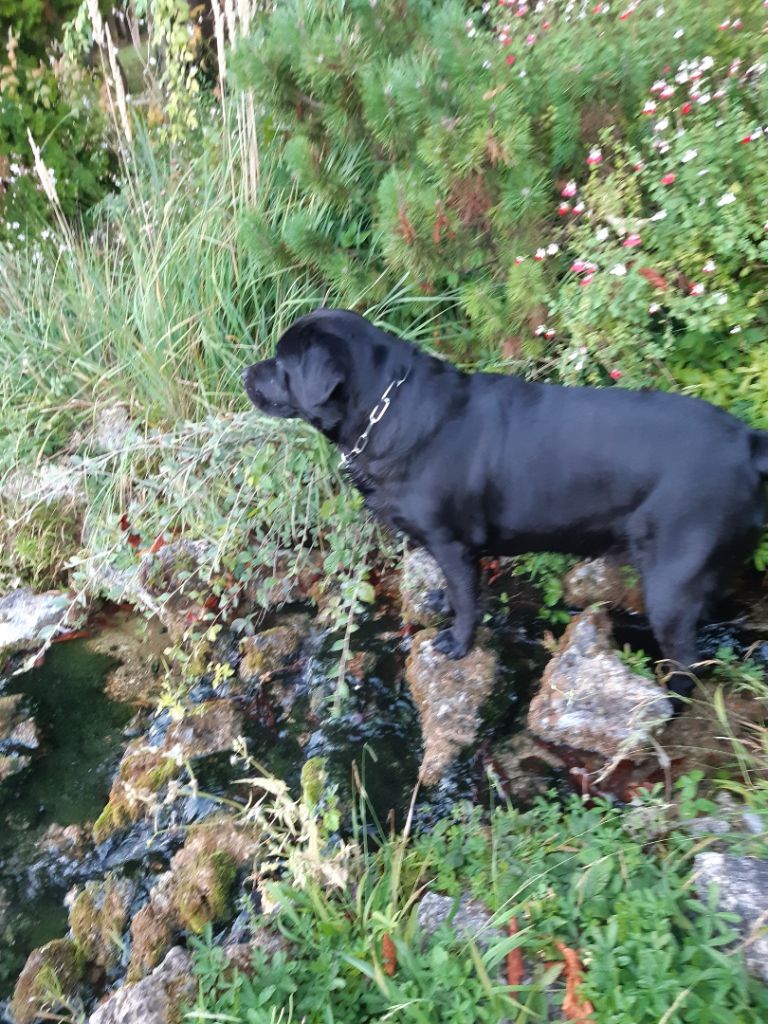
(472, 464)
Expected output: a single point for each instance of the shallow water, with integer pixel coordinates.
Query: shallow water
(81, 733)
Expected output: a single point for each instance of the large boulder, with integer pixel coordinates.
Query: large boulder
(591, 701)
(27, 619)
(49, 979)
(449, 695)
(742, 888)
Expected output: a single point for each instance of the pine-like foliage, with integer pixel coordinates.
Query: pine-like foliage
(429, 142)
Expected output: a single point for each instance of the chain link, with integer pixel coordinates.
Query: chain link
(377, 413)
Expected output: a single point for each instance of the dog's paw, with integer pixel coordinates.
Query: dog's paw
(436, 602)
(447, 643)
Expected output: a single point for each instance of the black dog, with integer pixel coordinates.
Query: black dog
(471, 464)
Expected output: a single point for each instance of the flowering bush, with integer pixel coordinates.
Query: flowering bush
(59, 106)
(582, 178)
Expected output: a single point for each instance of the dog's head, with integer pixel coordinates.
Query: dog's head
(324, 365)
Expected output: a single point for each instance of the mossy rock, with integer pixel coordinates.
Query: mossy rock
(48, 981)
(204, 889)
(142, 774)
(273, 649)
(153, 930)
(99, 916)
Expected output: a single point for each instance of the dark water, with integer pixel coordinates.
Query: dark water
(81, 733)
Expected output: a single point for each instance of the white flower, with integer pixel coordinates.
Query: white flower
(654, 307)
(709, 267)
(680, 33)
(618, 271)
(659, 215)
(735, 330)
(602, 233)
(662, 125)
(552, 249)
(720, 298)
(689, 154)
(726, 199)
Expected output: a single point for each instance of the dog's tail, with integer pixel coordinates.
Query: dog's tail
(760, 450)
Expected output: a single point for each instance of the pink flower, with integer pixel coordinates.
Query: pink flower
(549, 334)
(631, 241)
(578, 208)
(615, 375)
(625, 14)
(697, 289)
(585, 280)
(709, 267)
(667, 92)
(530, 39)
(519, 259)
(639, 166)
(579, 266)
(563, 208)
(570, 190)
(669, 179)
(511, 58)
(686, 108)
(595, 157)
(540, 254)
(650, 107)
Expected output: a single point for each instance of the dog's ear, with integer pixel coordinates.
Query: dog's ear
(317, 386)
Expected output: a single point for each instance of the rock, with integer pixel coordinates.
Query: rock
(99, 916)
(155, 999)
(24, 616)
(173, 583)
(591, 701)
(421, 577)
(292, 577)
(273, 649)
(141, 775)
(527, 767)
(449, 696)
(18, 736)
(468, 918)
(111, 429)
(208, 728)
(51, 972)
(195, 892)
(70, 842)
(742, 884)
(139, 647)
(603, 581)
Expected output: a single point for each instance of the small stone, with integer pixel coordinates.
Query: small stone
(156, 999)
(590, 700)
(467, 917)
(208, 728)
(449, 695)
(420, 579)
(273, 649)
(742, 884)
(603, 581)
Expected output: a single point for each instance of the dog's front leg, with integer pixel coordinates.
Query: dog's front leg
(461, 570)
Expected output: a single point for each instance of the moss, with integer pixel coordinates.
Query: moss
(39, 549)
(50, 975)
(98, 918)
(108, 821)
(141, 774)
(313, 780)
(204, 888)
(151, 937)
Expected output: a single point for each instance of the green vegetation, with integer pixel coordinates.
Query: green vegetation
(553, 875)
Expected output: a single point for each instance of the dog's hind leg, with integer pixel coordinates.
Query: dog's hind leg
(678, 580)
(461, 570)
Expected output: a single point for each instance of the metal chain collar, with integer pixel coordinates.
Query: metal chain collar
(376, 414)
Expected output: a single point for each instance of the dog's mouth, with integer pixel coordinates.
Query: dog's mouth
(261, 392)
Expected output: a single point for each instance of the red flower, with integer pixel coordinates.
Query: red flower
(585, 280)
(564, 208)
(686, 108)
(747, 138)
(615, 374)
(669, 179)
(511, 58)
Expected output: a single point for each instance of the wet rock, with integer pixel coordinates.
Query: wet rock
(603, 581)
(70, 842)
(273, 649)
(449, 696)
(141, 775)
(18, 736)
(467, 917)
(591, 701)
(138, 646)
(52, 971)
(99, 916)
(208, 728)
(420, 581)
(527, 767)
(28, 619)
(742, 884)
(361, 664)
(156, 999)
(292, 578)
(196, 891)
